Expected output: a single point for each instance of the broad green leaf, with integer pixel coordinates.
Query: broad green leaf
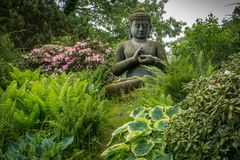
(66, 142)
(38, 88)
(156, 113)
(47, 144)
(139, 112)
(35, 113)
(133, 135)
(141, 147)
(118, 133)
(52, 99)
(117, 148)
(161, 124)
(21, 118)
(64, 89)
(171, 111)
(12, 89)
(140, 124)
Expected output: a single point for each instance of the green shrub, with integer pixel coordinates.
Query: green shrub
(209, 126)
(206, 43)
(69, 104)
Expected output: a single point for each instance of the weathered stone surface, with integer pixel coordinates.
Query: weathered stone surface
(136, 54)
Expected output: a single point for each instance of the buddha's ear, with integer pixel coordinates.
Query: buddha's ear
(150, 28)
(129, 33)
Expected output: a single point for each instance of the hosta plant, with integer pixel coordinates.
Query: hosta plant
(142, 138)
(37, 146)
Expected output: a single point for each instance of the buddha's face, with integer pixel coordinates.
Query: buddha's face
(140, 29)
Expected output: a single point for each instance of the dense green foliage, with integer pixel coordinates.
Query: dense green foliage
(208, 128)
(69, 104)
(66, 114)
(31, 22)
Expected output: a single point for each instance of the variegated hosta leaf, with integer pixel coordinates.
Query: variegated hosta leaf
(140, 124)
(157, 137)
(139, 112)
(168, 156)
(156, 113)
(161, 124)
(118, 133)
(159, 149)
(133, 135)
(171, 111)
(142, 147)
(139, 127)
(115, 149)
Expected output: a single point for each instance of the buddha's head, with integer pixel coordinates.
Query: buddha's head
(139, 24)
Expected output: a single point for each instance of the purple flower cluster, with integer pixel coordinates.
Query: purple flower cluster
(57, 59)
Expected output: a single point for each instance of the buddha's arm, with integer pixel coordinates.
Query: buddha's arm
(121, 64)
(161, 61)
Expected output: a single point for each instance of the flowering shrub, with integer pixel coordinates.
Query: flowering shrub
(57, 59)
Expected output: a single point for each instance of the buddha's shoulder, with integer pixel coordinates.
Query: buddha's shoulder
(122, 44)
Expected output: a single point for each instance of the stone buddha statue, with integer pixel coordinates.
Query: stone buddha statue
(135, 56)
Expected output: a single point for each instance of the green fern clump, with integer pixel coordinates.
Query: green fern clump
(69, 104)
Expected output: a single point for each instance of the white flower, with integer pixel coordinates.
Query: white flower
(227, 72)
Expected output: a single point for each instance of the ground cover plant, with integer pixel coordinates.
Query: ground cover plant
(142, 137)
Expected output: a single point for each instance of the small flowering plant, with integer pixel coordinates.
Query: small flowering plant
(57, 59)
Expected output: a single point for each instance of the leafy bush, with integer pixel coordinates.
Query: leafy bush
(56, 58)
(37, 146)
(209, 127)
(69, 104)
(205, 43)
(142, 138)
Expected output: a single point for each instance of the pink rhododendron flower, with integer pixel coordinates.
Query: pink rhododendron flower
(56, 58)
(67, 59)
(46, 60)
(36, 50)
(65, 67)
